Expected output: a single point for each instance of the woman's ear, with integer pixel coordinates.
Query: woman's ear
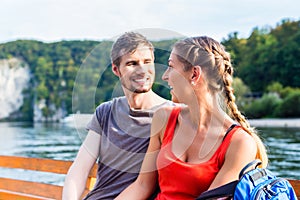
(115, 70)
(196, 73)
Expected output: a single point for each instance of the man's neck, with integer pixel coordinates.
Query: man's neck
(143, 101)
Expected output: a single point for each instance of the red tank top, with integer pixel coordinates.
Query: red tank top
(181, 180)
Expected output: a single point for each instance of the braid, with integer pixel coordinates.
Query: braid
(225, 71)
(228, 92)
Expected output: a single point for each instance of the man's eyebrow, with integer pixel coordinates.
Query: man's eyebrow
(148, 59)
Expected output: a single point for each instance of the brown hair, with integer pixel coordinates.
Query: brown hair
(211, 56)
(128, 43)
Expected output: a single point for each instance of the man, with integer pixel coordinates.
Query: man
(119, 130)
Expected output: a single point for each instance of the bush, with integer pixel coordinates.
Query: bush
(289, 107)
(263, 107)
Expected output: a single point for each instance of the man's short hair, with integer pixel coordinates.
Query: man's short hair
(128, 43)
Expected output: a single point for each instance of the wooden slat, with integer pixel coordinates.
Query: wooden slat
(296, 186)
(25, 190)
(21, 189)
(93, 172)
(33, 188)
(90, 181)
(10, 195)
(37, 164)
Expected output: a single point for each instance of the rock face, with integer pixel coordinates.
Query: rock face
(14, 78)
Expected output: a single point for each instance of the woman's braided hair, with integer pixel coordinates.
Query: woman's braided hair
(215, 62)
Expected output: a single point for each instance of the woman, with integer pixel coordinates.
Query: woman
(196, 147)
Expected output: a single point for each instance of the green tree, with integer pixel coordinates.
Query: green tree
(240, 91)
(42, 91)
(236, 47)
(269, 54)
(289, 107)
(263, 107)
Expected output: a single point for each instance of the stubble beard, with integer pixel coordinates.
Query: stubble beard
(136, 90)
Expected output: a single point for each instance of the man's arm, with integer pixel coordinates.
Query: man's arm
(75, 180)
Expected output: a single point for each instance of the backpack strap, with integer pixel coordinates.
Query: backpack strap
(255, 162)
(226, 190)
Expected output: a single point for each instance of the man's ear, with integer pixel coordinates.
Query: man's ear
(115, 70)
(196, 73)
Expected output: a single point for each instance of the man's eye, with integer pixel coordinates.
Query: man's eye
(148, 62)
(131, 63)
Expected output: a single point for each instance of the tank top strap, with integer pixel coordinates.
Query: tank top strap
(229, 130)
(226, 140)
(171, 125)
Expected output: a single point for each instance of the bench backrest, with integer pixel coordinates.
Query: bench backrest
(20, 189)
(23, 190)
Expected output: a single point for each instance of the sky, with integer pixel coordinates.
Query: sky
(56, 20)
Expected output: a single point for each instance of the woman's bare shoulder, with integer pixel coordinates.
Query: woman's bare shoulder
(243, 142)
(162, 114)
(160, 120)
(241, 136)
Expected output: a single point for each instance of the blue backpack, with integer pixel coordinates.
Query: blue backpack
(256, 184)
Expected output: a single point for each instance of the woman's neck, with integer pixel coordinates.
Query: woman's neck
(207, 112)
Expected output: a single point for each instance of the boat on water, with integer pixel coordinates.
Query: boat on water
(77, 120)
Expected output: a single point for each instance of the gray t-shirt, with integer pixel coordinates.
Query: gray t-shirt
(124, 142)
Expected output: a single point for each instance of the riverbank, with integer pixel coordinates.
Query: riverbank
(290, 123)
(80, 120)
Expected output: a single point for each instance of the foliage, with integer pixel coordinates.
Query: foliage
(275, 87)
(73, 75)
(289, 107)
(240, 92)
(278, 102)
(76, 75)
(263, 107)
(268, 54)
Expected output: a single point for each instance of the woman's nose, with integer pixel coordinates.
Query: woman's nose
(165, 76)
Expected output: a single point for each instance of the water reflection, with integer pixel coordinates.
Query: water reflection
(55, 141)
(284, 150)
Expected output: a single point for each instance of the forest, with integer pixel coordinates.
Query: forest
(76, 75)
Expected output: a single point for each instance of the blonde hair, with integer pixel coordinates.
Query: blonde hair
(211, 56)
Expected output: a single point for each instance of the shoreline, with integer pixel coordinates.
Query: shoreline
(80, 120)
(284, 123)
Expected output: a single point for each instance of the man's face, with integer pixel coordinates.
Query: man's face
(136, 70)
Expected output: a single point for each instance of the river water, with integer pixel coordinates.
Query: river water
(60, 141)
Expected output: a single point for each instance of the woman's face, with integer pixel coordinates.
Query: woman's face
(177, 78)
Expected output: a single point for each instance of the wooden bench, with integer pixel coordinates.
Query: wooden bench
(25, 190)
(29, 190)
